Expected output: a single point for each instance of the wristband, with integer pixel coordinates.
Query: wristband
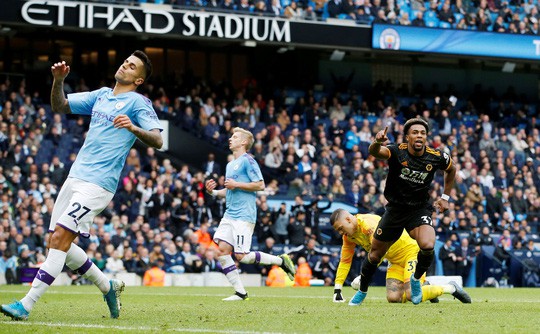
(445, 197)
(213, 193)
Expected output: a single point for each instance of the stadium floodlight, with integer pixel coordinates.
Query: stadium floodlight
(337, 55)
(249, 44)
(508, 67)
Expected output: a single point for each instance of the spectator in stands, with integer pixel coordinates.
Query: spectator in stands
(8, 266)
(530, 247)
(201, 213)
(465, 256)
(447, 254)
(277, 278)
(115, 264)
(209, 261)
(325, 269)
(418, 20)
(158, 202)
(404, 18)
(155, 276)
(360, 16)
(227, 5)
(281, 221)
(303, 273)
(296, 228)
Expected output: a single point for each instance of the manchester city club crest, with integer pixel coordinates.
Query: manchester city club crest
(429, 167)
(389, 39)
(119, 105)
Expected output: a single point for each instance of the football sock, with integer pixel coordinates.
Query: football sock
(231, 272)
(425, 257)
(46, 275)
(366, 273)
(431, 291)
(448, 288)
(78, 261)
(261, 258)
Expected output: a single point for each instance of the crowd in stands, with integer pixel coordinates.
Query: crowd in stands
(514, 16)
(312, 147)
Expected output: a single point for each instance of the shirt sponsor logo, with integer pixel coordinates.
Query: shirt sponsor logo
(102, 118)
(413, 176)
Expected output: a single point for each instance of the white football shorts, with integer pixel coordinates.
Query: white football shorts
(236, 233)
(77, 204)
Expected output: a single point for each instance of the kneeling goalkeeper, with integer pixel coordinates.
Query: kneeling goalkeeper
(358, 231)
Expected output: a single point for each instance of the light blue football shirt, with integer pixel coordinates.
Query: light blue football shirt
(241, 204)
(103, 155)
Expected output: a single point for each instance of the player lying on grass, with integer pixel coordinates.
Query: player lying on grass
(358, 230)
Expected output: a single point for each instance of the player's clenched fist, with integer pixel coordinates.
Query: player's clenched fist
(60, 70)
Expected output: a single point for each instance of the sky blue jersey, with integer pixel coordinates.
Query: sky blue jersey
(103, 155)
(240, 203)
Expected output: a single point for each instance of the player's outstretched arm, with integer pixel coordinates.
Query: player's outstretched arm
(377, 149)
(441, 204)
(59, 102)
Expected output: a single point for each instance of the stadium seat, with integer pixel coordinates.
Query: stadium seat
(430, 15)
(285, 3)
(432, 23)
(319, 95)
(445, 25)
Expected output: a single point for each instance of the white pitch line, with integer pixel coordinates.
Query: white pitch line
(164, 294)
(224, 295)
(128, 328)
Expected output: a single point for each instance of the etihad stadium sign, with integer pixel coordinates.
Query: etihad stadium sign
(163, 20)
(154, 20)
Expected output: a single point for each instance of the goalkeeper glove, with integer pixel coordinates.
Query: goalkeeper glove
(338, 298)
(355, 284)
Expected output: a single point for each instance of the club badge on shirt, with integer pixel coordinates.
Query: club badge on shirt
(119, 105)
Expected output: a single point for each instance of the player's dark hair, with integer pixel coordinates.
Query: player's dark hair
(146, 61)
(414, 121)
(336, 215)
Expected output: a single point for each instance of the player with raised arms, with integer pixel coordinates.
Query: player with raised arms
(118, 117)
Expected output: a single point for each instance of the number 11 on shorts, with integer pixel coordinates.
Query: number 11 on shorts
(239, 240)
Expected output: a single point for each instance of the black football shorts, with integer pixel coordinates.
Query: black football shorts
(395, 219)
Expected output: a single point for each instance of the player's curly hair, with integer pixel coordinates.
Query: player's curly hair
(414, 121)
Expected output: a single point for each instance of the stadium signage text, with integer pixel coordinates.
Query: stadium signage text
(154, 20)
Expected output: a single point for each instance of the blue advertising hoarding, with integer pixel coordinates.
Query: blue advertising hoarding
(450, 41)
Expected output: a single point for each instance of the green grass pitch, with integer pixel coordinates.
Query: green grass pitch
(81, 309)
